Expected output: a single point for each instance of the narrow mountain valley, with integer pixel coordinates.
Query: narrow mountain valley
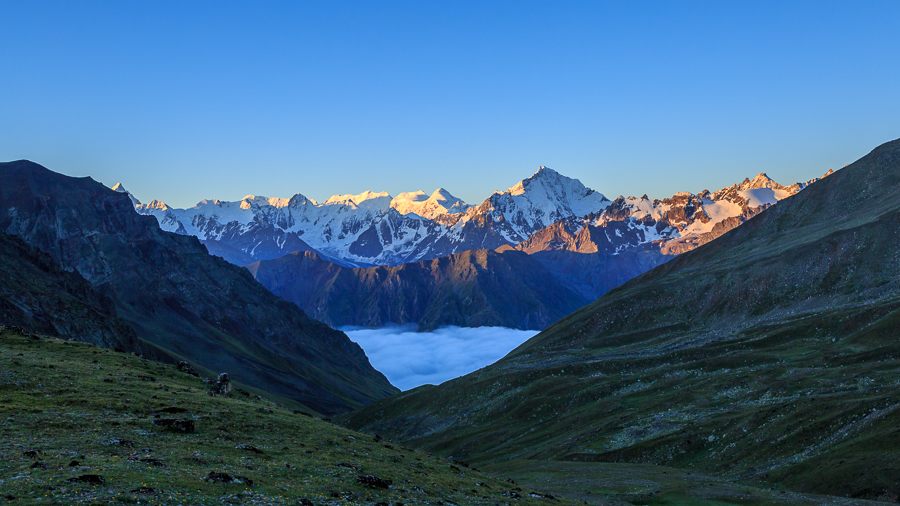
(438, 253)
(741, 355)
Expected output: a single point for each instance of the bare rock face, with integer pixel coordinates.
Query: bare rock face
(178, 297)
(39, 296)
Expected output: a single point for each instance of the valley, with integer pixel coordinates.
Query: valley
(753, 365)
(432, 253)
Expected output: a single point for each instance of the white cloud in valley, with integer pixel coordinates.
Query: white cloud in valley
(409, 358)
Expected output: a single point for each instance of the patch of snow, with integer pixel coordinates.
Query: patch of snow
(762, 196)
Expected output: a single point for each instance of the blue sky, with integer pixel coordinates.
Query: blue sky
(188, 100)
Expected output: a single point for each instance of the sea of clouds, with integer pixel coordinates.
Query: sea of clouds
(409, 358)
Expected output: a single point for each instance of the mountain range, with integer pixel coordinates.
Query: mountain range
(763, 354)
(181, 302)
(372, 229)
(767, 356)
(581, 244)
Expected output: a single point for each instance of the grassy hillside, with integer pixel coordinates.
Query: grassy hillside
(768, 357)
(86, 425)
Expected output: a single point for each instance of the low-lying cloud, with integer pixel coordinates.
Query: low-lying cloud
(410, 358)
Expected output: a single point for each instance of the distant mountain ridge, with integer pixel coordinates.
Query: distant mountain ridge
(587, 243)
(372, 229)
(470, 289)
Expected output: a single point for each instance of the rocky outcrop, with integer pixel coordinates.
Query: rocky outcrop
(592, 259)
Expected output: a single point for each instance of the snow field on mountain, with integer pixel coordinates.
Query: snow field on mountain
(762, 196)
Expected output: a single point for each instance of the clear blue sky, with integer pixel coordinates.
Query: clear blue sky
(188, 100)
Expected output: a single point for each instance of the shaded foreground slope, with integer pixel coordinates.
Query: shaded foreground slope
(188, 304)
(470, 289)
(769, 355)
(86, 425)
(37, 294)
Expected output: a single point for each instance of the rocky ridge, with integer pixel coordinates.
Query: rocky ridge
(41, 297)
(178, 298)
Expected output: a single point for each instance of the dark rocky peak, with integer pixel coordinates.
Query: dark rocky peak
(181, 299)
(299, 200)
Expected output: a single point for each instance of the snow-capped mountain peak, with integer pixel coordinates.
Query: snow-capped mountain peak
(158, 205)
(355, 200)
(544, 175)
(446, 200)
(762, 180)
(374, 229)
(544, 198)
(440, 202)
(416, 196)
(120, 188)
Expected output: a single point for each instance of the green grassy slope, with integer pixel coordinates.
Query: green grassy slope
(70, 411)
(768, 357)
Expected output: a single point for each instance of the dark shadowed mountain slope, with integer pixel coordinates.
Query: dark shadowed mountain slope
(181, 299)
(38, 296)
(230, 254)
(473, 288)
(769, 355)
(590, 259)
